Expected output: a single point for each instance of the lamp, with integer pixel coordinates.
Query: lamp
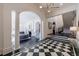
(73, 30)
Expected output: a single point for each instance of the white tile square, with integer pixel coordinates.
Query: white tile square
(44, 45)
(54, 54)
(41, 54)
(18, 54)
(30, 54)
(32, 47)
(36, 50)
(65, 53)
(67, 45)
(41, 43)
(60, 43)
(66, 50)
(56, 50)
(40, 47)
(49, 47)
(37, 45)
(47, 43)
(46, 50)
(26, 50)
(58, 47)
(52, 44)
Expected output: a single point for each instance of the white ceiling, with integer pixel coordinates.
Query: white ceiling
(54, 6)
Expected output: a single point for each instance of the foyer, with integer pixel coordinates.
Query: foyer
(39, 29)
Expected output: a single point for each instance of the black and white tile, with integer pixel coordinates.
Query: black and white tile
(49, 47)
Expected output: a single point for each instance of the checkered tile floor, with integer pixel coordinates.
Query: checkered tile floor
(49, 47)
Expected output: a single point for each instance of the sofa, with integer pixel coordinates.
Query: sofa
(23, 36)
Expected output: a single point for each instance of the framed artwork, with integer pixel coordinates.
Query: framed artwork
(49, 25)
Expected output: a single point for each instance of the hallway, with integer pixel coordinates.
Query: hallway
(28, 43)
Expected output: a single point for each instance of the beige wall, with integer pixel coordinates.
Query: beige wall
(1, 27)
(7, 8)
(69, 19)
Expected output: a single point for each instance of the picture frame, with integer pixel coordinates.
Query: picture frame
(49, 25)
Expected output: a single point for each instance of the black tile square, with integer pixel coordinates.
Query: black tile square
(48, 44)
(41, 50)
(62, 47)
(59, 54)
(61, 50)
(23, 54)
(53, 47)
(36, 47)
(71, 53)
(47, 54)
(44, 43)
(51, 50)
(45, 47)
(35, 54)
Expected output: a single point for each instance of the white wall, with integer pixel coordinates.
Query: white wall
(1, 28)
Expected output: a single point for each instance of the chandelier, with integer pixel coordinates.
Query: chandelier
(50, 6)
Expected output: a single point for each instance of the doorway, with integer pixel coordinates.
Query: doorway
(30, 29)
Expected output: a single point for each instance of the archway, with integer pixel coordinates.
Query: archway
(30, 27)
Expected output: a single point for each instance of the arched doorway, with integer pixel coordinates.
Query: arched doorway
(30, 28)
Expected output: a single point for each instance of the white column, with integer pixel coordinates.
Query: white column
(77, 14)
(77, 19)
(17, 40)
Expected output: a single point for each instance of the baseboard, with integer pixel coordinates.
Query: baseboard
(1, 55)
(10, 53)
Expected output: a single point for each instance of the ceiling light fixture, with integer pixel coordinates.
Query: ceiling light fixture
(49, 11)
(61, 3)
(41, 7)
(50, 6)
